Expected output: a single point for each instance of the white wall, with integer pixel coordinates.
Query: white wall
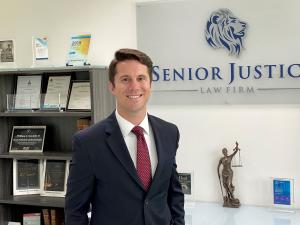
(268, 137)
(111, 23)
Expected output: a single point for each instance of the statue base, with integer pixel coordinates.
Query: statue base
(231, 203)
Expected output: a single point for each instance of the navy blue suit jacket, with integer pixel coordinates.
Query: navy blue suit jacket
(102, 174)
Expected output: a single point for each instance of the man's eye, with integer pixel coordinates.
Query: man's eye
(141, 78)
(124, 79)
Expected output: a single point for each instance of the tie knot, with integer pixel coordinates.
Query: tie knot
(138, 131)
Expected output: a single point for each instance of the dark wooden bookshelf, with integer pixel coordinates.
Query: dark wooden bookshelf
(60, 127)
(33, 200)
(45, 114)
(55, 155)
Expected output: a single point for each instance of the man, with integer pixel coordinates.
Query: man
(126, 173)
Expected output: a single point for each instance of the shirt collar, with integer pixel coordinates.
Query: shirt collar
(127, 126)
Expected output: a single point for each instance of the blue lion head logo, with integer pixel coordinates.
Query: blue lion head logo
(224, 30)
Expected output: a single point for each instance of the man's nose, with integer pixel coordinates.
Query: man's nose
(134, 84)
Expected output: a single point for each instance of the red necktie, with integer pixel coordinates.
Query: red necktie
(143, 165)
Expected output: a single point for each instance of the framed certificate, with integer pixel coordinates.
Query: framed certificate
(57, 92)
(186, 181)
(55, 173)
(28, 92)
(80, 96)
(26, 176)
(27, 139)
(7, 51)
(282, 190)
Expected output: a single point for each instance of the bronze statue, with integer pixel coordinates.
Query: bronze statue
(227, 175)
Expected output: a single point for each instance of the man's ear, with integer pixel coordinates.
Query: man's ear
(111, 87)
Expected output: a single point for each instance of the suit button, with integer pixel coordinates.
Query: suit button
(146, 202)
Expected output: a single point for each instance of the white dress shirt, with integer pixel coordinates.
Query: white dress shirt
(130, 139)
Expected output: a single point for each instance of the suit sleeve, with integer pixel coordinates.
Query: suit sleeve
(175, 195)
(79, 186)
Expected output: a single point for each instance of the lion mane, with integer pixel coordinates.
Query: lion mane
(224, 30)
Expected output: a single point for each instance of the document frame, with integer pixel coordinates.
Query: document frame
(27, 176)
(54, 177)
(27, 139)
(80, 96)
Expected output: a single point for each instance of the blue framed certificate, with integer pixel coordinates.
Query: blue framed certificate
(283, 192)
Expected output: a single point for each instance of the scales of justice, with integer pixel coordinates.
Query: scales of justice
(226, 175)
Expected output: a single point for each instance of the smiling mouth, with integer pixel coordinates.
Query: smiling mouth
(134, 96)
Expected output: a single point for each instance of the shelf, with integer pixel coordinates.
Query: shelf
(44, 114)
(43, 155)
(34, 200)
(49, 69)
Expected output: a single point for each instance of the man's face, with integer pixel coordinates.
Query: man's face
(131, 87)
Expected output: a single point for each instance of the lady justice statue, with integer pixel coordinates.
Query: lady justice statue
(226, 180)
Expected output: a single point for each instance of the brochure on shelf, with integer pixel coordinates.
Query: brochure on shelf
(40, 51)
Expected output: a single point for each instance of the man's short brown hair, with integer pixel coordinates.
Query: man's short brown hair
(129, 54)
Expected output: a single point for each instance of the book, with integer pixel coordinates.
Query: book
(46, 216)
(56, 217)
(83, 123)
(32, 219)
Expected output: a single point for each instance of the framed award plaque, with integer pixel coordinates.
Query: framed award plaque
(26, 176)
(282, 192)
(27, 139)
(187, 183)
(54, 179)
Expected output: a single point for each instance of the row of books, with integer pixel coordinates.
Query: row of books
(62, 94)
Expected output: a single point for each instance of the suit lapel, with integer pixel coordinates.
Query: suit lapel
(118, 146)
(159, 143)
